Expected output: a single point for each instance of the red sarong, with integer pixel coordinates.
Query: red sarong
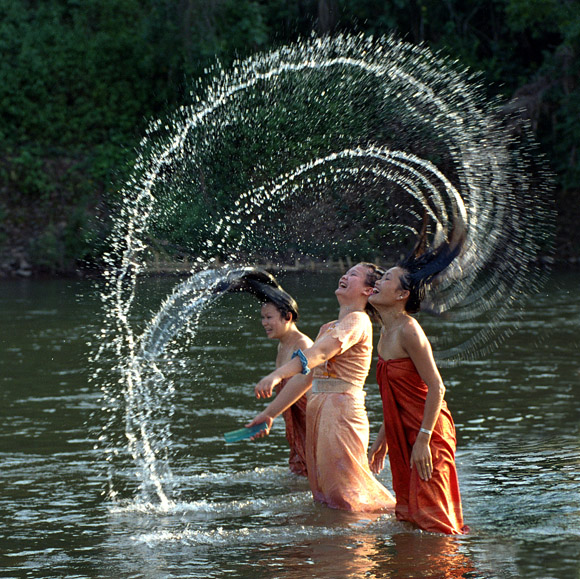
(433, 505)
(295, 419)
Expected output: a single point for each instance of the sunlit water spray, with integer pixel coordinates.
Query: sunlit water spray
(327, 148)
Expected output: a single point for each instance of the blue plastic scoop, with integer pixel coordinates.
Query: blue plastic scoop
(242, 433)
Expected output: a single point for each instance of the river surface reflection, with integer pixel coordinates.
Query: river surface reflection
(238, 512)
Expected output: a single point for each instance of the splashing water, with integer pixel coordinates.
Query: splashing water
(330, 147)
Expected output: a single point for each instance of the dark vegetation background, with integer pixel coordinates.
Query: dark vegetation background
(81, 79)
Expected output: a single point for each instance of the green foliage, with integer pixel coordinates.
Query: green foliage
(80, 80)
(64, 243)
(3, 216)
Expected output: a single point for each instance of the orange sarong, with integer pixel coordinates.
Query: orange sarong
(295, 420)
(433, 505)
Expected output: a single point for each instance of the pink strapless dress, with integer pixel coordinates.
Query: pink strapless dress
(337, 438)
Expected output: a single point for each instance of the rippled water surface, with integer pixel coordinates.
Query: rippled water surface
(237, 511)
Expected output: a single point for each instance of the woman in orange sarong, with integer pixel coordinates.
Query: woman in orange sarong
(418, 432)
(337, 427)
(279, 315)
(295, 425)
(279, 322)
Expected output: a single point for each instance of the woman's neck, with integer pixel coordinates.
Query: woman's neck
(346, 309)
(390, 316)
(290, 336)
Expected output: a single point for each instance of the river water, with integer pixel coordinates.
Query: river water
(237, 511)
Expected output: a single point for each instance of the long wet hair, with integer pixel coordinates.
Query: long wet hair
(421, 266)
(264, 286)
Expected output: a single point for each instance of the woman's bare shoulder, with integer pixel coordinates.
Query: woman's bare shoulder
(411, 330)
(303, 342)
(413, 339)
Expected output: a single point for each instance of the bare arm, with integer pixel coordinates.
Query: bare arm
(322, 350)
(378, 451)
(419, 350)
(292, 391)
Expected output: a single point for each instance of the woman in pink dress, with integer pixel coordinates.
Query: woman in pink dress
(337, 427)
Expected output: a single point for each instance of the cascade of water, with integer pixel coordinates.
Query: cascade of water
(385, 137)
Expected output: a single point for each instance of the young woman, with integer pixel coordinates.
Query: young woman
(279, 322)
(337, 428)
(279, 314)
(418, 432)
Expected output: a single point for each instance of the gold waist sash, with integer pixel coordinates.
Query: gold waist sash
(333, 385)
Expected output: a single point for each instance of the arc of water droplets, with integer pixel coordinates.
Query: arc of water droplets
(477, 145)
(147, 386)
(368, 57)
(187, 298)
(365, 56)
(419, 178)
(131, 226)
(404, 163)
(421, 187)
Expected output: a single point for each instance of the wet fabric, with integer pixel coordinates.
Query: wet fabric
(352, 363)
(337, 427)
(295, 419)
(337, 437)
(433, 505)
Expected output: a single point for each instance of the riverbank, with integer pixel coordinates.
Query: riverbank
(17, 266)
(35, 245)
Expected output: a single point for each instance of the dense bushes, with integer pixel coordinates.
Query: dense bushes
(79, 80)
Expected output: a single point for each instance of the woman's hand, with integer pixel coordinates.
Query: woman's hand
(262, 417)
(265, 386)
(421, 457)
(378, 452)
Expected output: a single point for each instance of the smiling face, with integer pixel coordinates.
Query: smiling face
(274, 322)
(353, 284)
(388, 290)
